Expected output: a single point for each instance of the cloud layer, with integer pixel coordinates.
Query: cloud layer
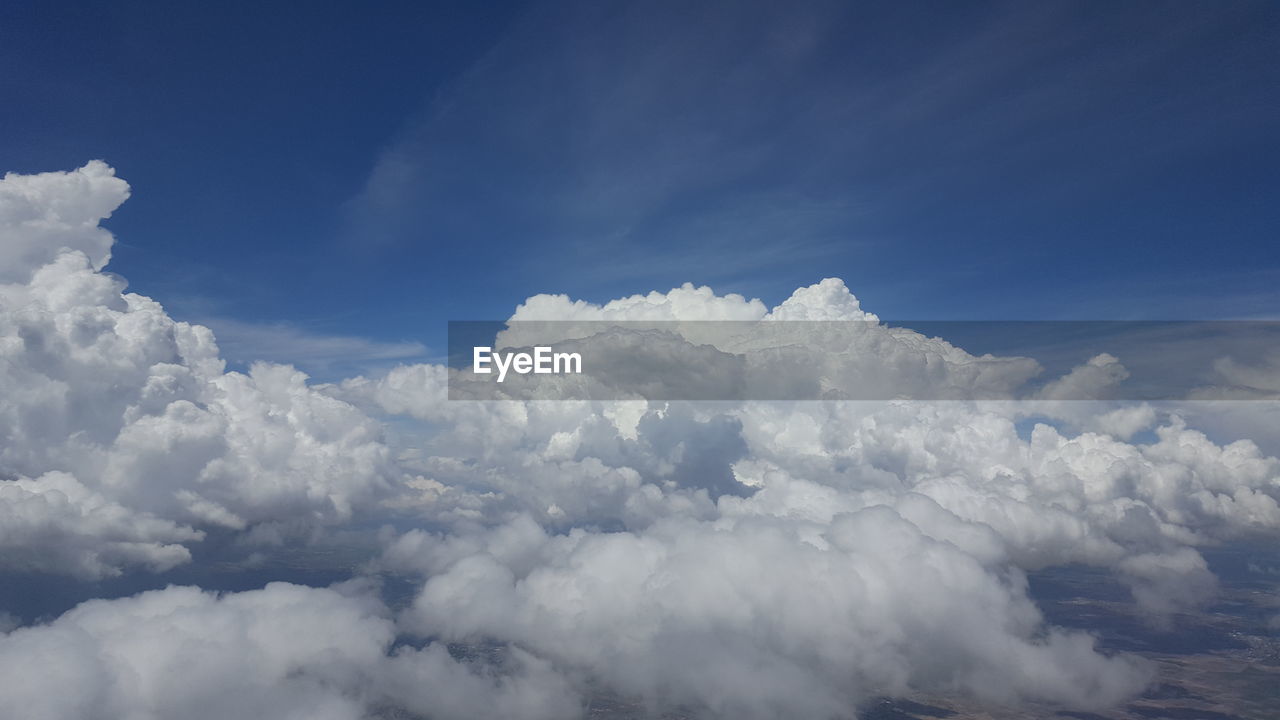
(750, 559)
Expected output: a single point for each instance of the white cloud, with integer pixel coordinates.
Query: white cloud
(53, 523)
(957, 476)
(41, 214)
(284, 651)
(127, 418)
(1091, 381)
(692, 344)
(761, 618)
(745, 558)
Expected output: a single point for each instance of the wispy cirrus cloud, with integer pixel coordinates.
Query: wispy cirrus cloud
(656, 144)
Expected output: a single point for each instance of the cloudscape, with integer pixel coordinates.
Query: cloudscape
(640, 360)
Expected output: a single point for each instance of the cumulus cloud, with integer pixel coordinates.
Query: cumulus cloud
(1091, 381)
(1111, 494)
(284, 651)
(123, 434)
(961, 475)
(40, 215)
(746, 559)
(762, 618)
(54, 523)
(690, 344)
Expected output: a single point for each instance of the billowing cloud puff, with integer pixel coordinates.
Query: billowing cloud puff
(53, 523)
(690, 344)
(827, 300)
(765, 618)
(122, 433)
(683, 303)
(284, 651)
(1089, 381)
(40, 215)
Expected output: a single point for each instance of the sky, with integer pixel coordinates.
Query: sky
(238, 480)
(354, 176)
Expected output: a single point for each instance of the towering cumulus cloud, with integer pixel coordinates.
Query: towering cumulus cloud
(123, 437)
(745, 559)
(43, 215)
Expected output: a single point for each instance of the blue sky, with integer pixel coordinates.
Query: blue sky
(339, 181)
